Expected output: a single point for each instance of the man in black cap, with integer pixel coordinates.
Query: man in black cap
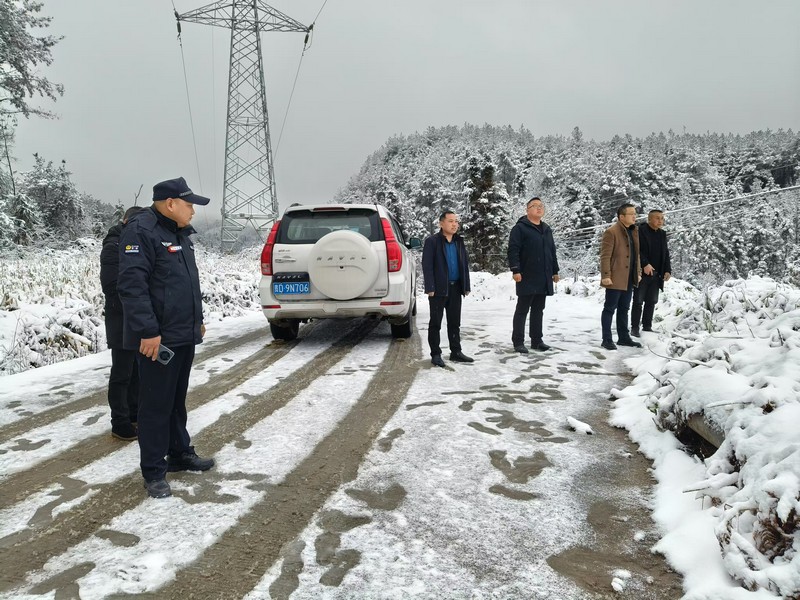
(160, 291)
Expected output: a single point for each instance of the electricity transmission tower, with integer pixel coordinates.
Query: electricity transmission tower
(248, 195)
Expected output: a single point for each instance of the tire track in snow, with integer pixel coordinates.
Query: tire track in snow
(260, 535)
(31, 549)
(37, 476)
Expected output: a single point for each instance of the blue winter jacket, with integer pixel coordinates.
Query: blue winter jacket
(158, 282)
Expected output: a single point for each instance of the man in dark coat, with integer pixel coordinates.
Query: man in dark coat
(123, 382)
(445, 269)
(532, 260)
(160, 291)
(656, 269)
(620, 272)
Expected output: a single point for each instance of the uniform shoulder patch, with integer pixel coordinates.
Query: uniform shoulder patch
(132, 249)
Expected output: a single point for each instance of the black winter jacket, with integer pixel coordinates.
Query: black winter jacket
(653, 251)
(109, 270)
(158, 282)
(532, 254)
(434, 264)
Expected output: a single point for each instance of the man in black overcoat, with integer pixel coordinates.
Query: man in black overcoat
(532, 260)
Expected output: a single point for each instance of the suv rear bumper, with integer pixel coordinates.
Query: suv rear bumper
(333, 309)
(391, 306)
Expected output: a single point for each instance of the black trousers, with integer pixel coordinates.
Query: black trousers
(533, 303)
(123, 387)
(618, 301)
(647, 294)
(449, 305)
(162, 410)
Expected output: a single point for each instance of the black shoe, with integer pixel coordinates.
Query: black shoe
(126, 432)
(649, 329)
(608, 345)
(521, 349)
(188, 461)
(459, 356)
(436, 360)
(628, 342)
(158, 488)
(635, 332)
(541, 347)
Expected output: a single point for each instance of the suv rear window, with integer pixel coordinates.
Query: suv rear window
(306, 226)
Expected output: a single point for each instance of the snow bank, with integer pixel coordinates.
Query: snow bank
(51, 305)
(732, 355)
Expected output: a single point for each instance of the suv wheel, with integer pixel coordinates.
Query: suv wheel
(402, 331)
(286, 332)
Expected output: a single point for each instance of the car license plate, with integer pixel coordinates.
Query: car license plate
(290, 287)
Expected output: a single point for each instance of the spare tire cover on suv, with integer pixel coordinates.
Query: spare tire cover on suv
(343, 265)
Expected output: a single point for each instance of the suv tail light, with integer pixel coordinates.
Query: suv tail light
(266, 253)
(394, 255)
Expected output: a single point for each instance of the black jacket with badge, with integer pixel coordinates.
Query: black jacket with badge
(158, 282)
(653, 251)
(109, 270)
(532, 253)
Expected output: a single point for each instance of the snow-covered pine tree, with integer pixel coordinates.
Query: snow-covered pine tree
(486, 222)
(56, 198)
(26, 219)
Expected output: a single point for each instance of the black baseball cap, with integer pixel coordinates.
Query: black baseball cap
(177, 188)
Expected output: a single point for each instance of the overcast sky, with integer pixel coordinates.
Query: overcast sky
(378, 68)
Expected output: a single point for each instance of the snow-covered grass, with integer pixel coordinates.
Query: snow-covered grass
(728, 355)
(51, 302)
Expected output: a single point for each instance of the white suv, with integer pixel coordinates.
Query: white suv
(337, 260)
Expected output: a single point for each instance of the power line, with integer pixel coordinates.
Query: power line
(288, 105)
(189, 103)
(319, 13)
(306, 46)
(608, 200)
(688, 208)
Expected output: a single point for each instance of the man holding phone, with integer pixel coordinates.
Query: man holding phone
(163, 319)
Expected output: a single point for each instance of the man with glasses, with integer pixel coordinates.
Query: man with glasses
(656, 269)
(620, 272)
(532, 260)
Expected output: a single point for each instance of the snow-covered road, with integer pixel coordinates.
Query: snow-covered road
(347, 467)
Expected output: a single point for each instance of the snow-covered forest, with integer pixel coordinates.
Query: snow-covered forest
(484, 174)
(43, 205)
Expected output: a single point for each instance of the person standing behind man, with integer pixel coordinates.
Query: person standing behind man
(445, 269)
(656, 269)
(160, 291)
(123, 382)
(620, 272)
(532, 260)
